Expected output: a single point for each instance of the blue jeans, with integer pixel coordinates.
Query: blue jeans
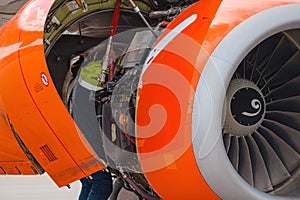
(96, 187)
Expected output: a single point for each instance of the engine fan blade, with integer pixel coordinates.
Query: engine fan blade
(287, 72)
(291, 104)
(233, 152)
(245, 165)
(281, 55)
(289, 89)
(260, 173)
(289, 157)
(290, 119)
(226, 138)
(277, 171)
(288, 134)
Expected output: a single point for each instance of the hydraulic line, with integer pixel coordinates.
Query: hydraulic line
(113, 31)
(102, 75)
(138, 11)
(115, 19)
(109, 54)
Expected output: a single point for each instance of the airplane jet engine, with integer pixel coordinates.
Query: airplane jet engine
(178, 99)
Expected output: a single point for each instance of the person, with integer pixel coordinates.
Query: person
(97, 186)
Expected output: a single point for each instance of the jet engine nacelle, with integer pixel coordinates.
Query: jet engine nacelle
(203, 106)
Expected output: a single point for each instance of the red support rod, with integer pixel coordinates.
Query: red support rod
(115, 19)
(113, 31)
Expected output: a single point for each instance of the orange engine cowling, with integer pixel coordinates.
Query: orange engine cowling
(221, 106)
(204, 106)
(37, 131)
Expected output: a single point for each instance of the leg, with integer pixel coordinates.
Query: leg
(85, 189)
(101, 186)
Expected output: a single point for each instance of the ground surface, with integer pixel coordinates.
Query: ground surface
(35, 188)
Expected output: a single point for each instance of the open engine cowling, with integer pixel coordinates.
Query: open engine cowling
(203, 106)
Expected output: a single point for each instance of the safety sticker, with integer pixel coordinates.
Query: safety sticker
(44, 79)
